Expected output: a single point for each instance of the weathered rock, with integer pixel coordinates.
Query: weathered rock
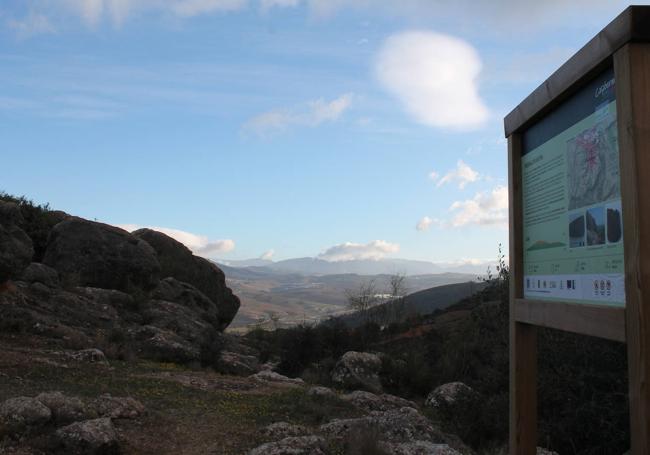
(238, 364)
(87, 253)
(448, 394)
(91, 355)
(166, 346)
(16, 248)
(90, 437)
(358, 370)
(176, 318)
(172, 290)
(281, 430)
(178, 261)
(117, 407)
(543, 451)
(65, 409)
(304, 445)
(20, 413)
(418, 448)
(272, 376)
(398, 425)
(40, 273)
(321, 393)
(368, 401)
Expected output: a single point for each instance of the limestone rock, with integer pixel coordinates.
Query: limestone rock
(118, 407)
(543, 451)
(238, 364)
(281, 430)
(91, 355)
(447, 395)
(321, 393)
(358, 370)
(177, 261)
(166, 346)
(40, 273)
(272, 376)
(16, 248)
(90, 437)
(20, 413)
(368, 401)
(65, 409)
(419, 448)
(304, 445)
(87, 253)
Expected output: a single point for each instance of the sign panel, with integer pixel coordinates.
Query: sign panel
(571, 192)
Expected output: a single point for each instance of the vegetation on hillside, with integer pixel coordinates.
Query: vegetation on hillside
(582, 380)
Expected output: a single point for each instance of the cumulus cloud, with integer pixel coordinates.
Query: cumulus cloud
(268, 255)
(348, 251)
(198, 244)
(462, 175)
(434, 77)
(488, 208)
(311, 114)
(424, 224)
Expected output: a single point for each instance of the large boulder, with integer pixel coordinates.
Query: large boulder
(358, 370)
(87, 253)
(177, 261)
(22, 413)
(65, 409)
(301, 445)
(447, 395)
(16, 248)
(368, 401)
(40, 273)
(90, 437)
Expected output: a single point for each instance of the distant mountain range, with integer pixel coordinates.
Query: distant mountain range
(313, 266)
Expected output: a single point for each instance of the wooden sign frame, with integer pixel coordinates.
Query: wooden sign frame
(624, 45)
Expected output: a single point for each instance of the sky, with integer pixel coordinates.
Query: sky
(339, 129)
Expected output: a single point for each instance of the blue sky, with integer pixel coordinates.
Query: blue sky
(279, 128)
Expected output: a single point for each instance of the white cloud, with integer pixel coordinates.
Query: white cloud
(424, 224)
(33, 24)
(433, 175)
(268, 4)
(268, 255)
(463, 174)
(484, 209)
(188, 8)
(348, 251)
(311, 114)
(434, 77)
(198, 244)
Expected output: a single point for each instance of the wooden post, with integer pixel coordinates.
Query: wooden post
(632, 72)
(523, 337)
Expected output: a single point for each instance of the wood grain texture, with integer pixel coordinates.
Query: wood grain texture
(523, 337)
(593, 320)
(632, 72)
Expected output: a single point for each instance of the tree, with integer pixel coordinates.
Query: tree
(363, 299)
(397, 291)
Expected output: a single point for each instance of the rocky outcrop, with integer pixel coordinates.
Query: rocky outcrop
(358, 370)
(16, 248)
(90, 437)
(321, 393)
(368, 401)
(238, 364)
(117, 407)
(448, 394)
(40, 273)
(272, 376)
(281, 430)
(304, 445)
(65, 409)
(418, 448)
(22, 413)
(87, 253)
(177, 261)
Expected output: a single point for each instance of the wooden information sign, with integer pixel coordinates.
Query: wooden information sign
(579, 194)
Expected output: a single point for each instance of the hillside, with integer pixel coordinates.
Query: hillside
(295, 298)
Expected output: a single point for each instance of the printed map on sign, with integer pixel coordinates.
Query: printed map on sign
(592, 164)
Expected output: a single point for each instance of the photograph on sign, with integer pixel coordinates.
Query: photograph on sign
(572, 220)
